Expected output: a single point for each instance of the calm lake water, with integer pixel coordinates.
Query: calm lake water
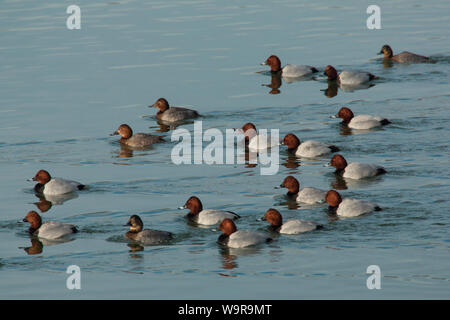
(62, 92)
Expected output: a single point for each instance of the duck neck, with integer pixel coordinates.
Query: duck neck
(39, 188)
(332, 210)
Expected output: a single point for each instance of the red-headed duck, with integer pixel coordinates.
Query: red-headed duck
(355, 170)
(348, 207)
(348, 77)
(257, 141)
(48, 230)
(362, 121)
(137, 233)
(404, 57)
(172, 114)
(307, 149)
(138, 140)
(275, 219)
(290, 70)
(205, 217)
(234, 238)
(306, 195)
(55, 186)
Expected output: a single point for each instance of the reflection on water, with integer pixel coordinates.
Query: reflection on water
(38, 244)
(341, 183)
(43, 205)
(135, 247)
(275, 84)
(36, 247)
(166, 126)
(291, 162)
(230, 256)
(333, 88)
(46, 201)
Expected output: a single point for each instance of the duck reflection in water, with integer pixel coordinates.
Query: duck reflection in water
(333, 88)
(46, 202)
(275, 84)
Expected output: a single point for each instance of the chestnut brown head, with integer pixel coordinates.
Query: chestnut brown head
(249, 130)
(42, 177)
(291, 184)
(274, 63)
(124, 130)
(331, 72)
(333, 198)
(34, 219)
(345, 114)
(194, 205)
(291, 141)
(227, 227)
(274, 217)
(338, 162)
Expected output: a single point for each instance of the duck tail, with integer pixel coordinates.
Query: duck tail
(385, 122)
(377, 208)
(314, 70)
(82, 187)
(236, 216)
(319, 227)
(381, 171)
(334, 149)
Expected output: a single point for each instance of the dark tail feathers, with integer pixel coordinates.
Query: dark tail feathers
(385, 122)
(377, 208)
(334, 149)
(314, 70)
(82, 187)
(381, 171)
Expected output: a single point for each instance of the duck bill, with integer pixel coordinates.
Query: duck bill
(182, 207)
(115, 133)
(264, 63)
(381, 52)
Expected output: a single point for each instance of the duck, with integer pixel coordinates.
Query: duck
(257, 142)
(206, 217)
(48, 230)
(172, 114)
(290, 70)
(55, 186)
(146, 236)
(403, 57)
(348, 77)
(348, 207)
(307, 149)
(138, 140)
(306, 195)
(297, 226)
(355, 170)
(362, 121)
(234, 238)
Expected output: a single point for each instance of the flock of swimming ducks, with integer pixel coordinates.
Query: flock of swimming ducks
(231, 236)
